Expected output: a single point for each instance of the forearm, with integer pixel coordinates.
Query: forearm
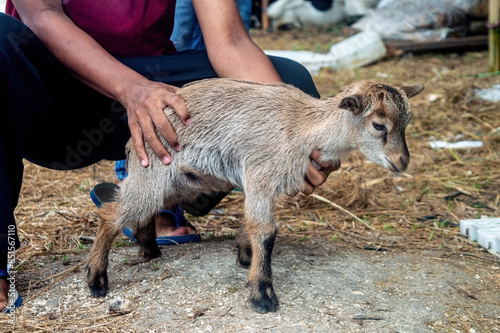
(243, 60)
(83, 56)
(231, 51)
(143, 99)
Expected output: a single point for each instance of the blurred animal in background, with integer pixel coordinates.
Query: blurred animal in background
(300, 13)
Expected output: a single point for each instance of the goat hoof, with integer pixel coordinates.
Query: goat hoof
(245, 257)
(98, 283)
(152, 252)
(265, 304)
(265, 299)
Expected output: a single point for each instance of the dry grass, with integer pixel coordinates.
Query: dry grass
(419, 209)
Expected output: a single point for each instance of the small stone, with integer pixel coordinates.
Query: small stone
(120, 306)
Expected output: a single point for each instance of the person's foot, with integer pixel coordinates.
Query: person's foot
(171, 226)
(4, 290)
(165, 226)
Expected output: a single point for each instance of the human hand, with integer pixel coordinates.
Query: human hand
(145, 102)
(315, 177)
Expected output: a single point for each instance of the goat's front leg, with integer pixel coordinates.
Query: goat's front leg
(261, 231)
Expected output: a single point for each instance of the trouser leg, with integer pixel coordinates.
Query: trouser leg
(20, 103)
(46, 116)
(189, 66)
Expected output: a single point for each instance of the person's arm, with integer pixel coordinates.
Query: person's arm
(231, 51)
(233, 54)
(88, 61)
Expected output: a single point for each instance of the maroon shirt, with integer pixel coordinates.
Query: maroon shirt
(123, 27)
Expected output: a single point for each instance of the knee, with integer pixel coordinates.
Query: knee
(261, 235)
(296, 74)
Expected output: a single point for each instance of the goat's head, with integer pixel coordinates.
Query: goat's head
(381, 114)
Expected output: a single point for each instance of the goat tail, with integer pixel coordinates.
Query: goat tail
(108, 211)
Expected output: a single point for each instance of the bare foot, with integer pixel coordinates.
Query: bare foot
(165, 226)
(4, 289)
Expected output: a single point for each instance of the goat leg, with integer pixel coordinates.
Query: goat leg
(97, 264)
(262, 232)
(244, 248)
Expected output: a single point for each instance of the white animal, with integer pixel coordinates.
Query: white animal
(301, 13)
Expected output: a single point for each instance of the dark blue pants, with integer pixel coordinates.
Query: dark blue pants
(52, 119)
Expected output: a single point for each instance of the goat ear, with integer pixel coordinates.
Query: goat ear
(412, 90)
(353, 103)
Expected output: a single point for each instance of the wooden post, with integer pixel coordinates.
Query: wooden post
(494, 35)
(266, 21)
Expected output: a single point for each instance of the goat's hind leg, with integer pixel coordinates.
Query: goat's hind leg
(138, 210)
(244, 248)
(97, 263)
(146, 237)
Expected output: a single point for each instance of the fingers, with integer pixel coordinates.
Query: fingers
(313, 178)
(163, 125)
(166, 130)
(316, 176)
(328, 167)
(316, 155)
(308, 188)
(143, 129)
(146, 116)
(179, 106)
(136, 134)
(144, 132)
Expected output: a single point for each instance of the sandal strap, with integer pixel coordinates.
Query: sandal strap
(178, 215)
(103, 193)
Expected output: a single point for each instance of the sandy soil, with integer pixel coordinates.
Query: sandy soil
(322, 288)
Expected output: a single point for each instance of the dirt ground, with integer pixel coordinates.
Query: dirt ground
(405, 268)
(322, 288)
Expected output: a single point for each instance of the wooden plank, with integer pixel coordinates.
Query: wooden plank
(494, 36)
(478, 42)
(265, 19)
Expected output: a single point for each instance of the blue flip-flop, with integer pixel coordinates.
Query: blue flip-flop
(178, 217)
(106, 192)
(14, 301)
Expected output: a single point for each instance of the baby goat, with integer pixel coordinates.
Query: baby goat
(257, 137)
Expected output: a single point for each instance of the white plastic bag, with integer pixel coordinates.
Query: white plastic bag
(423, 20)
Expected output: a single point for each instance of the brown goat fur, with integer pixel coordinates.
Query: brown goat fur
(257, 137)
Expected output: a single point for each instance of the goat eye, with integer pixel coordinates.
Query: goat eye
(379, 127)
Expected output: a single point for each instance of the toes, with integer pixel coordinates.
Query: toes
(190, 230)
(181, 231)
(166, 226)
